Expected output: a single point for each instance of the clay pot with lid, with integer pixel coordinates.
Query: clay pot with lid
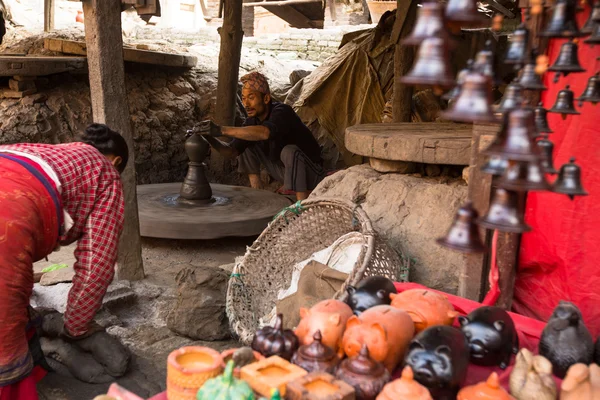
(426, 308)
(316, 357)
(405, 388)
(488, 390)
(367, 376)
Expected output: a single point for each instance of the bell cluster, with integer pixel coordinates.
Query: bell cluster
(520, 157)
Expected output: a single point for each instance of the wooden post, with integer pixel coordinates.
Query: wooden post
(248, 20)
(109, 105)
(406, 14)
(332, 10)
(48, 15)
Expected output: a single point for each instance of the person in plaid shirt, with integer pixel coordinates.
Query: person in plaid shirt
(54, 195)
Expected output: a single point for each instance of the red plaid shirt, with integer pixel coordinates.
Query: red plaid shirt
(93, 196)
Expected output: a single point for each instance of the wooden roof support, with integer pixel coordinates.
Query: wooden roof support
(49, 6)
(109, 105)
(406, 16)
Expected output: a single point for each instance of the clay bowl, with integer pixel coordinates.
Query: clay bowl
(228, 354)
(188, 368)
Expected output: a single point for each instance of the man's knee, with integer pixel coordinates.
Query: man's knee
(288, 154)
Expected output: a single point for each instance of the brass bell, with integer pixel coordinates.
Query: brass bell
(515, 139)
(463, 235)
(546, 149)
(517, 48)
(592, 90)
(569, 180)
(474, 103)
(460, 79)
(432, 67)
(529, 80)
(541, 120)
(504, 213)
(463, 13)
(484, 62)
(567, 60)
(523, 176)
(595, 37)
(588, 27)
(513, 98)
(564, 103)
(430, 22)
(563, 23)
(495, 166)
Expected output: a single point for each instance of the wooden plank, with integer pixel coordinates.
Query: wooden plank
(49, 7)
(294, 17)
(39, 66)
(109, 105)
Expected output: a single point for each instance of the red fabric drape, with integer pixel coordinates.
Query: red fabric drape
(559, 259)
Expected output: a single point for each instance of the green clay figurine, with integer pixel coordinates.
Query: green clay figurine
(225, 387)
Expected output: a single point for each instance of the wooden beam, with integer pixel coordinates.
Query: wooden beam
(293, 16)
(49, 7)
(406, 15)
(104, 44)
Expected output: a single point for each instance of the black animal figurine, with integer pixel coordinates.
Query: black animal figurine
(492, 336)
(566, 340)
(370, 292)
(439, 357)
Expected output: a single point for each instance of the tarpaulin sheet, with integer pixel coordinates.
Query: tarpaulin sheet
(560, 257)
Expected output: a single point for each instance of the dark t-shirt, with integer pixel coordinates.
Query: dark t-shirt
(285, 128)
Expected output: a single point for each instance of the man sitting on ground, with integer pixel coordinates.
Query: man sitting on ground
(272, 136)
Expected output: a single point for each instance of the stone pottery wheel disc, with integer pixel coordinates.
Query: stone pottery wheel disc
(232, 211)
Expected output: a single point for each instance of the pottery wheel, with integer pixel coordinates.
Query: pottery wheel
(232, 211)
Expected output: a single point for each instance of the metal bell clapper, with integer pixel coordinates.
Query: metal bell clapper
(495, 166)
(484, 62)
(595, 38)
(546, 149)
(474, 103)
(567, 60)
(464, 235)
(504, 213)
(563, 24)
(569, 180)
(432, 67)
(463, 13)
(594, 18)
(528, 79)
(430, 22)
(513, 98)
(541, 120)
(523, 176)
(517, 48)
(515, 139)
(460, 79)
(592, 90)
(564, 103)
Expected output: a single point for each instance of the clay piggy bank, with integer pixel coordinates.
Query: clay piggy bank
(329, 317)
(385, 330)
(439, 357)
(565, 339)
(370, 292)
(492, 336)
(581, 383)
(426, 308)
(531, 378)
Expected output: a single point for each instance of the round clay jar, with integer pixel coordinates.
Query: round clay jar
(367, 376)
(189, 367)
(316, 357)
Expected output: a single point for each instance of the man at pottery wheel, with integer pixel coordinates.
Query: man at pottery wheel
(51, 195)
(272, 136)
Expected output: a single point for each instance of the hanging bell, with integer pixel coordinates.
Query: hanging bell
(529, 80)
(432, 67)
(505, 214)
(564, 103)
(595, 38)
(513, 98)
(495, 166)
(430, 22)
(463, 235)
(592, 90)
(517, 48)
(460, 79)
(562, 23)
(567, 60)
(541, 120)
(474, 103)
(515, 139)
(463, 13)
(569, 180)
(594, 18)
(523, 176)
(484, 62)
(546, 149)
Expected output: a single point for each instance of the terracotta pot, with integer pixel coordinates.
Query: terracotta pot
(405, 388)
(79, 16)
(329, 317)
(378, 8)
(276, 341)
(316, 357)
(488, 390)
(319, 386)
(385, 330)
(188, 368)
(228, 354)
(367, 376)
(271, 373)
(426, 308)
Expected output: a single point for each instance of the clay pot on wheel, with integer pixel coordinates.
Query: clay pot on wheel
(426, 308)
(188, 368)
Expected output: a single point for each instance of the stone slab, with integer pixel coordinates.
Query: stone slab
(399, 167)
(13, 94)
(423, 142)
(39, 66)
(129, 54)
(59, 276)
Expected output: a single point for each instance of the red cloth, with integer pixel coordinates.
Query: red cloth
(93, 196)
(24, 389)
(559, 258)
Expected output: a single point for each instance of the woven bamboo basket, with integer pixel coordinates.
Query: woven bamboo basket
(293, 236)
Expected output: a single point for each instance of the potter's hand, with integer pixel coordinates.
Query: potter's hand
(208, 128)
